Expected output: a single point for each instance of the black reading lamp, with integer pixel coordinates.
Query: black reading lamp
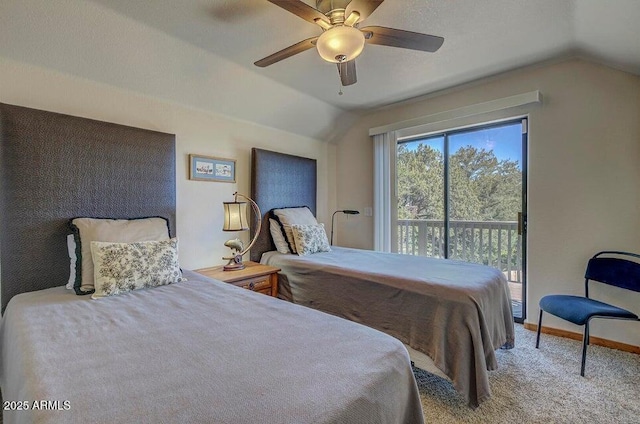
(346, 211)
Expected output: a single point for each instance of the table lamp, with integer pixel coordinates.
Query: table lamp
(235, 219)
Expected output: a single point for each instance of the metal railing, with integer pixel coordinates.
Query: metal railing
(493, 243)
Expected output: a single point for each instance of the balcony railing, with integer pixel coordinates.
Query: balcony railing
(493, 243)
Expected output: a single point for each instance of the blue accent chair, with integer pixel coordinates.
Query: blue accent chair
(608, 267)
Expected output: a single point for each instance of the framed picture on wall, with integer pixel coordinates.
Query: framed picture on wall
(209, 168)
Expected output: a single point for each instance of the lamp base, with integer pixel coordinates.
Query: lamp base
(234, 264)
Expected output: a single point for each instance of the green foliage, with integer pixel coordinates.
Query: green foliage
(482, 188)
(420, 183)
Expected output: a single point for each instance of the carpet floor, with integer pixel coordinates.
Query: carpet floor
(544, 386)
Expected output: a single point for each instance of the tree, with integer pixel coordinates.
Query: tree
(482, 188)
(420, 183)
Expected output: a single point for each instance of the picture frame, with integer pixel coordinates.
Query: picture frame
(210, 168)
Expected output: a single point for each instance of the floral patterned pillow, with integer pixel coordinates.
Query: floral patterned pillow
(310, 239)
(122, 267)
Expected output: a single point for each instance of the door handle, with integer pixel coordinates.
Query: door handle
(521, 223)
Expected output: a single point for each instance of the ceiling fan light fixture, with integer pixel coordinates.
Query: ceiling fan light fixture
(340, 44)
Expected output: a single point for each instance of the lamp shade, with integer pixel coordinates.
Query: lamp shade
(340, 44)
(235, 216)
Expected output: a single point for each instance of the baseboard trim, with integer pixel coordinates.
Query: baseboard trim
(577, 336)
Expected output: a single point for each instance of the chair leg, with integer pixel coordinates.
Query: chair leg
(588, 335)
(585, 342)
(539, 328)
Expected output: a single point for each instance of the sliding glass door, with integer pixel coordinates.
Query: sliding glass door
(462, 195)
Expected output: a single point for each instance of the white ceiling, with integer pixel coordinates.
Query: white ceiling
(481, 38)
(200, 53)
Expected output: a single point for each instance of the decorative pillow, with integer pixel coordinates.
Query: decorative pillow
(310, 239)
(122, 267)
(86, 230)
(71, 248)
(278, 238)
(289, 216)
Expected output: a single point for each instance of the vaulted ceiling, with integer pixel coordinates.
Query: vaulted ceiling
(201, 52)
(481, 38)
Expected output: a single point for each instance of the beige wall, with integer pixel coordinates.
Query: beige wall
(584, 175)
(199, 204)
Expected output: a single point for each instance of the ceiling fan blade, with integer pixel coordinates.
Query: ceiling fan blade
(288, 52)
(347, 71)
(303, 10)
(400, 38)
(363, 7)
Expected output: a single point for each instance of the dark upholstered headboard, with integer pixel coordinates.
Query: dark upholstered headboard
(56, 167)
(279, 180)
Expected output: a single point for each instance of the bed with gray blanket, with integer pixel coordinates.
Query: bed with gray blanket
(198, 351)
(455, 313)
(195, 351)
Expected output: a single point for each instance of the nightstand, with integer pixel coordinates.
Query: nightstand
(257, 277)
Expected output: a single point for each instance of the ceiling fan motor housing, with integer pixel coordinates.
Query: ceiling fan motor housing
(326, 6)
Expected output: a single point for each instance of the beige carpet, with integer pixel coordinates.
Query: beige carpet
(544, 386)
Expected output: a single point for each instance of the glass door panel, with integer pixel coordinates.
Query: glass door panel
(486, 199)
(420, 176)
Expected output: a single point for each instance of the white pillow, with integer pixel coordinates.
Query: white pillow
(122, 267)
(290, 216)
(278, 238)
(87, 230)
(71, 248)
(310, 239)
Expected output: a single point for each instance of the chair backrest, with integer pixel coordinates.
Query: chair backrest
(615, 271)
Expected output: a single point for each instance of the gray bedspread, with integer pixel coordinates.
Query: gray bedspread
(200, 352)
(455, 312)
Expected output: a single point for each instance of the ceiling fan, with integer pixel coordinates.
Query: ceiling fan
(342, 40)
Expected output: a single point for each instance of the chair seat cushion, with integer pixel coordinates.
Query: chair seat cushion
(578, 309)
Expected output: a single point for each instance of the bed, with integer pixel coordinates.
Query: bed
(195, 351)
(452, 315)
